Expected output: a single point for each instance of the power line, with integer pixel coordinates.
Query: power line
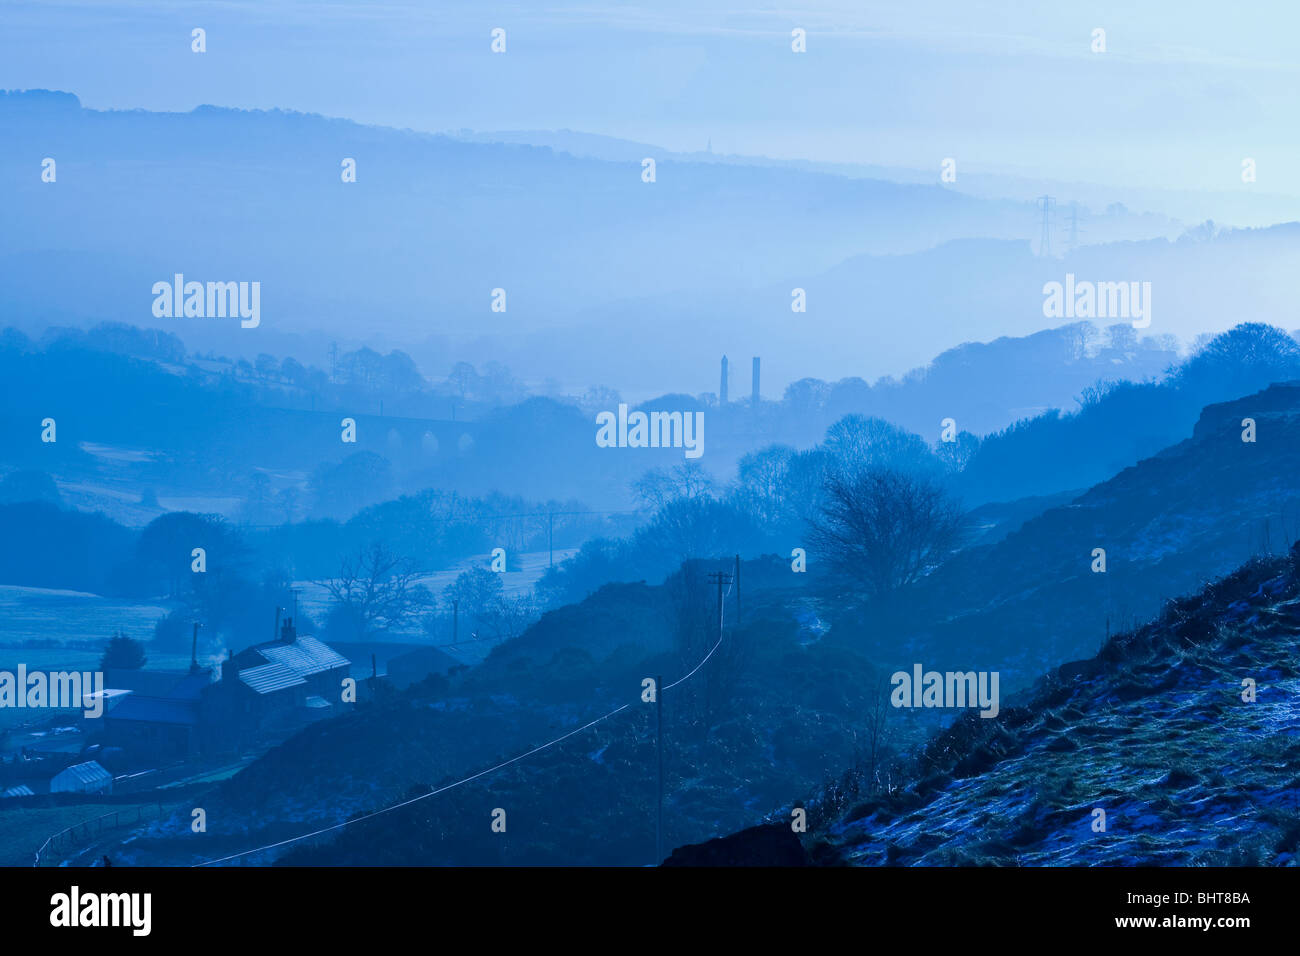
(423, 796)
(708, 655)
(451, 786)
(681, 680)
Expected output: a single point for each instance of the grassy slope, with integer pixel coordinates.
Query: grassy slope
(1153, 731)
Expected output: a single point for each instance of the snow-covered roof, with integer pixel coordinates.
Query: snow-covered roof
(269, 678)
(305, 656)
(88, 772)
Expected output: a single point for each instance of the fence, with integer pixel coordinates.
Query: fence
(80, 834)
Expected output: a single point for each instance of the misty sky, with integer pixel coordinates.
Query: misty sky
(1186, 90)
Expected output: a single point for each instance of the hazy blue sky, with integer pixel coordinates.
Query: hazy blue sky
(1186, 90)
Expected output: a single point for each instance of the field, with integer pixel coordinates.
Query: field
(23, 830)
(46, 615)
(315, 599)
(51, 630)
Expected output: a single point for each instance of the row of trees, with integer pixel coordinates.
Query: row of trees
(377, 593)
(879, 505)
(366, 371)
(867, 475)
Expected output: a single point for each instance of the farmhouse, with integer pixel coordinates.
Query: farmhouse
(157, 715)
(272, 687)
(264, 691)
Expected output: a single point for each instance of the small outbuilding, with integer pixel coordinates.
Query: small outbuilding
(88, 777)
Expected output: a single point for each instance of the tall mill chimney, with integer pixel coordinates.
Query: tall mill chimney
(754, 398)
(722, 388)
(194, 650)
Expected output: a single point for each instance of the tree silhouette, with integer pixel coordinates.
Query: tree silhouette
(882, 528)
(374, 592)
(123, 653)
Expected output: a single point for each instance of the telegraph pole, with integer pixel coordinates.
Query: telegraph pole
(722, 578)
(737, 590)
(720, 582)
(659, 745)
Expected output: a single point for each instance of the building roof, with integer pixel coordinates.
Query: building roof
(178, 685)
(305, 656)
(470, 653)
(111, 696)
(269, 678)
(88, 772)
(287, 663)
(418, 664)
(156, 710)
(22, 790)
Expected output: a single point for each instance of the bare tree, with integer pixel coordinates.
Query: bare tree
(861, 443)
(882, 528)
(686, 529)
(956, 455)
(512, 616)
(375, 592)
(661, 486)
(762, 482)
(484, 608)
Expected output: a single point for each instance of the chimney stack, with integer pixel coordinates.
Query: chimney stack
(228, 671)
(288, 633)
(754, 398)
(194, 650)
(722, 388)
